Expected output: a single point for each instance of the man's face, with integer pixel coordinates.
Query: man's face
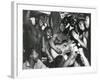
(49, 33)
(34, 55)
(81, 26)
(62, 15)
(62, 28)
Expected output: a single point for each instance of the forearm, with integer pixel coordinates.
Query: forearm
(53, 46)
(82, 43)
(49, 54)
(43, 45)
(84, 60)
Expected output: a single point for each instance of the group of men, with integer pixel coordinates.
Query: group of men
(58, 39)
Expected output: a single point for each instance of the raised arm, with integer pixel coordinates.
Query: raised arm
(83, 42)
(83, 58)
(52, 45)
(70, 60)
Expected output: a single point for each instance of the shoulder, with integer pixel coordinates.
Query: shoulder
(40, 64)
(55, 35)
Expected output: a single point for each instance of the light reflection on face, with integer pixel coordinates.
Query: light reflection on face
(34, 55)
(33, 20)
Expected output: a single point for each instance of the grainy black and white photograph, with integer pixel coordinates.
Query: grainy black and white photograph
(53, 39)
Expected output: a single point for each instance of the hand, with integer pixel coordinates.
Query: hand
(72, 46)
(58, 51)
(81, 52)
(50, 59)
(75, 35)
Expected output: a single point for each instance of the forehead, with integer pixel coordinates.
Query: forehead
(34, 52)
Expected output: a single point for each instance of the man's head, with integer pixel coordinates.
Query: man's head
(62, 27)
(81, 25)
(48, 32)
(34, 55)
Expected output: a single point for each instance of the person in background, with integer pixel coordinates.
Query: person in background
(88, 36)
(54, 21)
(34, 62)
(32, 35)
(76, 52)
(48, 45)
(82, 41)
(48, 32)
